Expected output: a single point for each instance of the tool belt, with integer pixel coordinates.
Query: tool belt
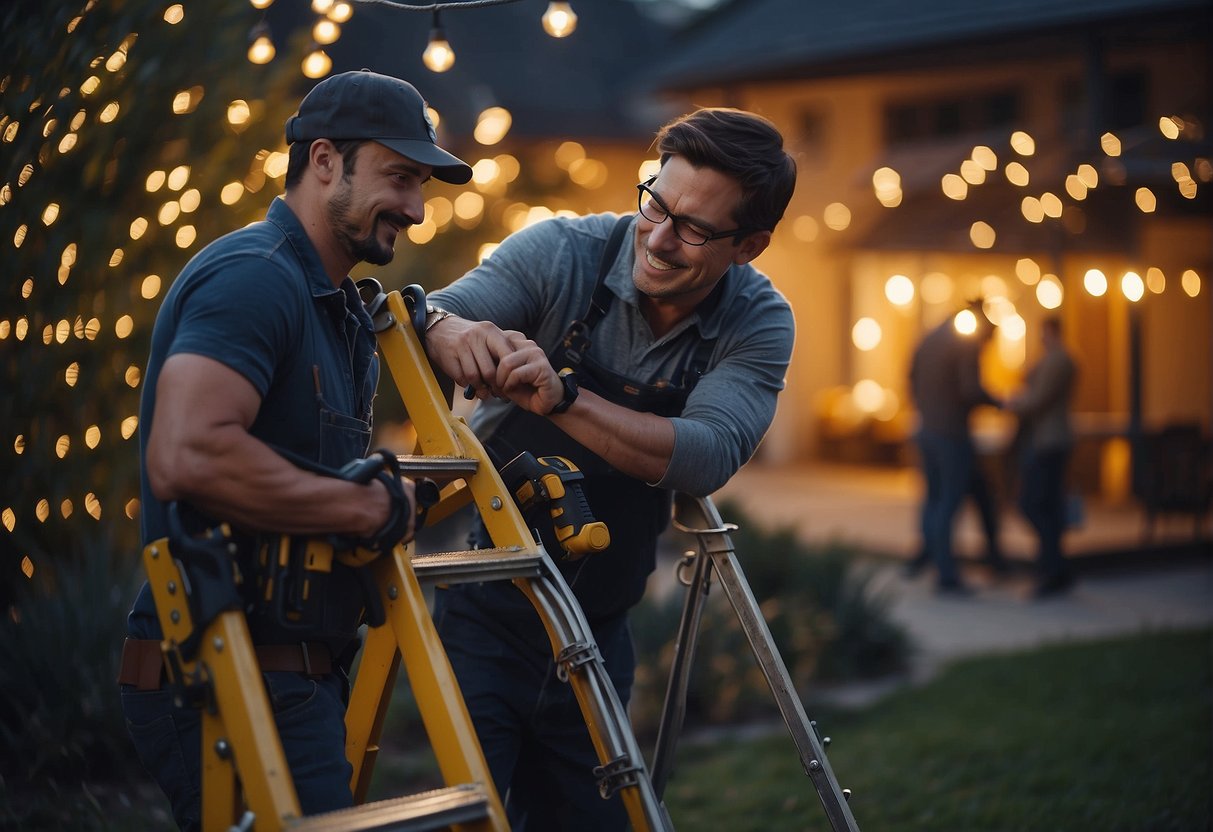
(143, 666)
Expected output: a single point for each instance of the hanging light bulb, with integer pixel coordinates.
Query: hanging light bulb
(325, 31)
(438, 55)
(261, 49)
(559, 20)
(317, 64)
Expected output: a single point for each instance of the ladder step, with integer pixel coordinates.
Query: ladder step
(436, 809)
(438, 467)
(477, 565)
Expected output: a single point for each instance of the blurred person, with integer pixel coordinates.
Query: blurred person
(988, 514)
(1045, 441)
(945, 382)
(262, 353)
(669, 374)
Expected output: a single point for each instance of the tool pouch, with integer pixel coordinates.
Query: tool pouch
(291, 579)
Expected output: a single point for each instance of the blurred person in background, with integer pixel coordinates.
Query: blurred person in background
(945, 382)
(1045, 439)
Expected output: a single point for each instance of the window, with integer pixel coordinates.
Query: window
(951, 116)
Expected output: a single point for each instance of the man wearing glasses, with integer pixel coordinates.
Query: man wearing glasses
(665, 379)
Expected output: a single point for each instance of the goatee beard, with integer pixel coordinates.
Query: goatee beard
(366, 248)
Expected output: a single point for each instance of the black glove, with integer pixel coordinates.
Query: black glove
(400, 513)
(382, 466)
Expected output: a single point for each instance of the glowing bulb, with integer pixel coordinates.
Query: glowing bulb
(965, 322)
(866, 334)
(438, 55)
(1133, 286)
(559, 20)
(317, 64)
(899, 289)
(982, 234)
(1190, 281)
(262, 50)
(238, 112)
(868, 395)
(1022, 143)
(325, 32)
(492, 125)
(1095, 282)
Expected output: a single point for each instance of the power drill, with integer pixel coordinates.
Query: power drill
(557, 482)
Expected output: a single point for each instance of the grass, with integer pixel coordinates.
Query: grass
(1106, 736)
(1113, 736)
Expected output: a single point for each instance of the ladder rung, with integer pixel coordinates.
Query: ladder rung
(438, 467)
(436, 809)
(477, 565)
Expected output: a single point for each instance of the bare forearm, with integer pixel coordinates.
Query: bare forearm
(638, 444)
(234, 477)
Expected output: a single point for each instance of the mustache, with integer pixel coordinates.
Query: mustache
(399, 220)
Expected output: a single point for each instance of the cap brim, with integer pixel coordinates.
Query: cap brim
(446, 167)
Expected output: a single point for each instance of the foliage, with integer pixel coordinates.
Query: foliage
(825, 619)
(1110, 736)
(160, 104)
(60, 718)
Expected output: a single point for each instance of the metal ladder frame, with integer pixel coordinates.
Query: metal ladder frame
(716, 556)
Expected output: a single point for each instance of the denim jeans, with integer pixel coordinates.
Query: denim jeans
(309, 713)
(529, 723)
(947, 464)
(1042, 498)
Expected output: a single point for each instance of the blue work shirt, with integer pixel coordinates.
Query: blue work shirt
(259, 301)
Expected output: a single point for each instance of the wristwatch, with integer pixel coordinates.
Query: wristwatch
(433, 315)
(568, 378)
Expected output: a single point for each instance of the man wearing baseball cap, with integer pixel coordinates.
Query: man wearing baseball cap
(263, 354)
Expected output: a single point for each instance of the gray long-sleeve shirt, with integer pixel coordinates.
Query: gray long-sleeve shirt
(541, 278)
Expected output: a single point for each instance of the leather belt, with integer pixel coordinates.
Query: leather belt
(143, 664)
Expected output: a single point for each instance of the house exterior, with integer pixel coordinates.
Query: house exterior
(949, 152)
(945, 152)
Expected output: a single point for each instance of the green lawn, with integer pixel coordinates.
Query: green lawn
(1108, 736)
(1099, 737)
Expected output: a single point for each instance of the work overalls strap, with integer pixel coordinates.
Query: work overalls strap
(606, 583)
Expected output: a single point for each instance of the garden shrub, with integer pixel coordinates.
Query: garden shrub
(827, 621)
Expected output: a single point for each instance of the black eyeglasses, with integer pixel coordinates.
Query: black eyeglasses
(689, 231)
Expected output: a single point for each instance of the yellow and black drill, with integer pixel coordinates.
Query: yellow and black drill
(556, 482)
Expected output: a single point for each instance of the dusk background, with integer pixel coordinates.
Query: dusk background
(1045, 158)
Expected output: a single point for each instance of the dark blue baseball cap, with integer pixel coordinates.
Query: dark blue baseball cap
(367, 105)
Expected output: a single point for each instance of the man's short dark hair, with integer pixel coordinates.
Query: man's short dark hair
(297, 154)
(741, 145)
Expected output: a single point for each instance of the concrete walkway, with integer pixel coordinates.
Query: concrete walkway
(1125, 584)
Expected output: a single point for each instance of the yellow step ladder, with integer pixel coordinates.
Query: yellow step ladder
(246, 783)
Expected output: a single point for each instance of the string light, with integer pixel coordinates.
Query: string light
(325, 32)
(559, 20)
(438, 55)
(317, 64)
(261, 48)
